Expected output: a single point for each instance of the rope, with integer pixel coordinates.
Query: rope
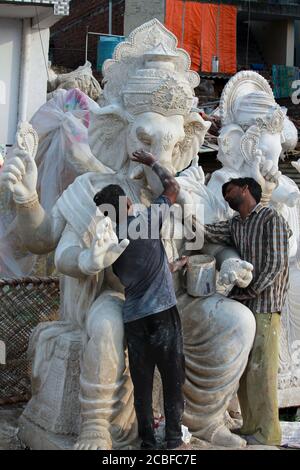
(248, 33)
(183, 22)
(218, 29)
(44, 55)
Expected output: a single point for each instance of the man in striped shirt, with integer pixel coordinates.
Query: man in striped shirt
(261, 236)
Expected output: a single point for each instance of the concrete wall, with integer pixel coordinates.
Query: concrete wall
(10, 57)
(23, 82)
(297, 43)
(137, 13)
(290, 43)
(37, 90)
(276, 40)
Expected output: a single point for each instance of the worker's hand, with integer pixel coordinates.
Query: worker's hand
(19, 175)
(296, 165)
(104, 251)
(178, 264)
(146, 158)
(237, 272)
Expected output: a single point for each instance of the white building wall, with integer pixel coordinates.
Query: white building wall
(23, 74)
(290, 42)
(10, 56)
(37, 90)
(297, 43)
(137, 13)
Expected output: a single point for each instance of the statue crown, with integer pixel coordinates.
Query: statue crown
(158, 87)
(273, 122)
(165, 95)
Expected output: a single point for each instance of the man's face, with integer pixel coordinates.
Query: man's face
(235, 196)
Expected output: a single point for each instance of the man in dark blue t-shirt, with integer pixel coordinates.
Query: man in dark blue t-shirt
(152, 323)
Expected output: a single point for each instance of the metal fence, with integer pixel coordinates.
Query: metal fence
(23, 304)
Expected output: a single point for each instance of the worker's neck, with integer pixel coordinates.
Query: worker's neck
(247, 207)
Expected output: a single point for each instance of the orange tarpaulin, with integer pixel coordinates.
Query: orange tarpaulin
(204, 30)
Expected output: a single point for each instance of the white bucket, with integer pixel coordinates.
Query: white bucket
(201, 275)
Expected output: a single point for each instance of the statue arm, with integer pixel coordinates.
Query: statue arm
(73, 259)
(67, 254)
(286, 192)
(221, 253)
(40, 233)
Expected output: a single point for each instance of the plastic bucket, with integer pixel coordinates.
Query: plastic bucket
(215, 64)
(106, 47)
(201, 276)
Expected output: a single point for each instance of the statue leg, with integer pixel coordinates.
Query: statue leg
(106, 396)
(218, 335)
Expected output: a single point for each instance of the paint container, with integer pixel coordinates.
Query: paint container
(215, 64)
(201, 276)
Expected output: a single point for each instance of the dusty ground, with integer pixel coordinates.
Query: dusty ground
(9, 415)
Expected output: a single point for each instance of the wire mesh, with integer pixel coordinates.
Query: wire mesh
(23, 304)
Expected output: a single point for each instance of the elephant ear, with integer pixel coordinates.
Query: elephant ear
(195, 129)
(249, 144)
(107, 136)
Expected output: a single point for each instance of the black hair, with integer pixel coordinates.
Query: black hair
(253, 186)
(109, 196)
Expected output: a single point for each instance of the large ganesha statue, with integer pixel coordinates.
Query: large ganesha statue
(254, 135)
(81, 383)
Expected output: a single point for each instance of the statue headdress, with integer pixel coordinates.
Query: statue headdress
(247, 100)
(149, 73)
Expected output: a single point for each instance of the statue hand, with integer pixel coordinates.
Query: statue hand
(185, 198)
(19, 175)
(194, 172)
(296, 165)
(292, 199)
(104, 251)
(237, 272)
(265, 172)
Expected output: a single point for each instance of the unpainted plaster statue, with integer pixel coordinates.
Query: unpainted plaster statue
(254, 134)
(147, 103)
(81, 78)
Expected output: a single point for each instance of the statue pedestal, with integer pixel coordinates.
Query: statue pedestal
(51, 419)
(36, 438)
(289, 397)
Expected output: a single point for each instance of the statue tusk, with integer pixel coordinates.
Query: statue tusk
(137, 172)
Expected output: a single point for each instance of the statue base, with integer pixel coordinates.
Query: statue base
(54, 406)
(289, 397)
(36, 438)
